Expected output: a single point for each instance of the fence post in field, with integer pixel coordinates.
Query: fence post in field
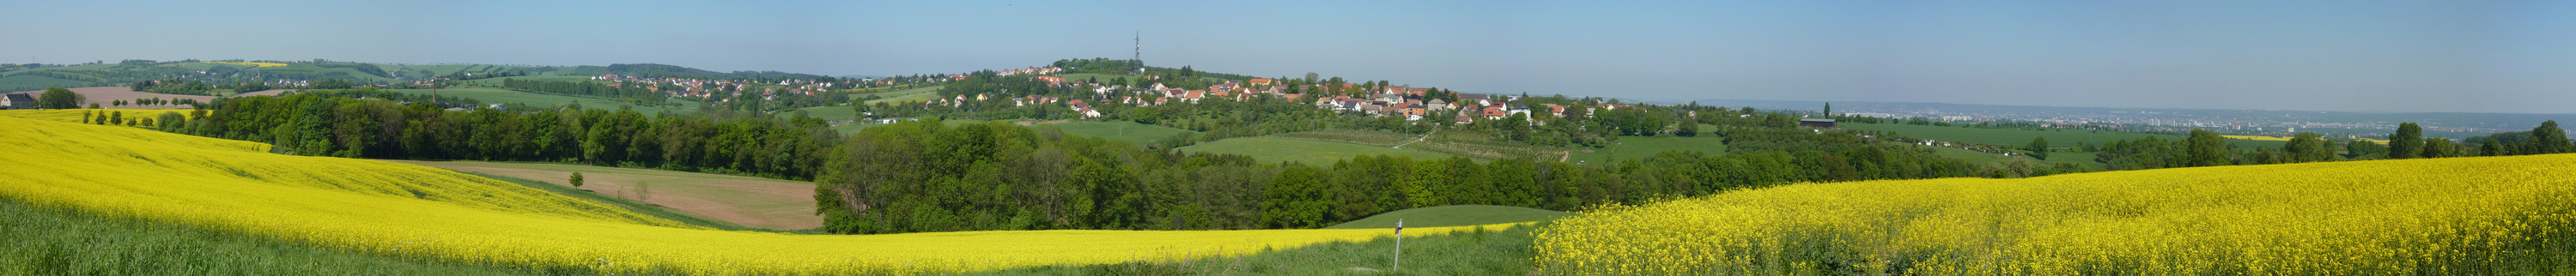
(1399, 246)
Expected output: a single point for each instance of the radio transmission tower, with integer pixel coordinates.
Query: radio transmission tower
(1140, 53)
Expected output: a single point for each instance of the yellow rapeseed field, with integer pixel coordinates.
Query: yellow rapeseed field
(2485, 215)
(421, 212)
(2257, 138)
(260, 64)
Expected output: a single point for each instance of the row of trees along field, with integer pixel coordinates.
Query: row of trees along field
(2204, 148)
(337, 123)
(926, 176)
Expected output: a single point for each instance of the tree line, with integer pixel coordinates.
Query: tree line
(928, 176)
(2205, 148)
(328, 123)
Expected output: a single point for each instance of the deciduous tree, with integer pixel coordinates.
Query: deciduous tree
(2548, 139)
(2407, 143)
(2038, 147)
(2205, 148)
(59, 98)
(2307, 147)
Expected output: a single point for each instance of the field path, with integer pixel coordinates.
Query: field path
(748, 201)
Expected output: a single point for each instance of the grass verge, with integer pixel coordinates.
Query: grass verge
(48, 241)
(1479, 252)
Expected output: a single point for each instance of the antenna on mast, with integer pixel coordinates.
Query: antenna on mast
(1140, 52)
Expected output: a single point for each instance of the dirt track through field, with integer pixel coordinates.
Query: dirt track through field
(748, 201)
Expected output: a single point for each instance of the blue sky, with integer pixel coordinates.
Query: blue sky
(2424, 56)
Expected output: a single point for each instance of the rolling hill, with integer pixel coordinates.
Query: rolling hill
(422, 213)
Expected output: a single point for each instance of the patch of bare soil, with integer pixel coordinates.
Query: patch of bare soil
(753, 202)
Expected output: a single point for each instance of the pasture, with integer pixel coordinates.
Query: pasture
(1134, 133)
(496, 82)
(827, 112)
(906, 95)
(1474, 145)
(34, 82)
(496, 95)
(1640, 147)
(1310, 152)
(747, 201)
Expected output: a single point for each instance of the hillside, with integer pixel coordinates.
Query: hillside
(2478, 215)
(497, 95)
(119, 74)
(393, 209)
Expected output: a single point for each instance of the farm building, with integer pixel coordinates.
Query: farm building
(18, 101)
(1816, 122)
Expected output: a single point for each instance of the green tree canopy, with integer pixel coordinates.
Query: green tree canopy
(2307, 147)
(2436, 147)
(2548, 139)
(2038, 148)
(2491, 148)
(2205, 148)
(59, 98)
(2407, 143)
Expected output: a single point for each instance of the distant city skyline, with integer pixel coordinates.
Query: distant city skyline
(2331, 56)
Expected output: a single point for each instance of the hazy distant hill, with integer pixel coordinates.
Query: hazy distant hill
(670, 71)
(2454, 119)
(20, 77)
